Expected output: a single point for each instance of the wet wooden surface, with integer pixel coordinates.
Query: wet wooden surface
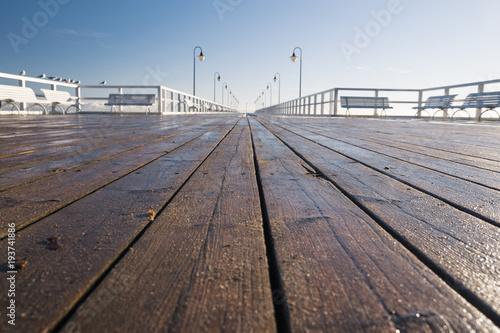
(262, 224)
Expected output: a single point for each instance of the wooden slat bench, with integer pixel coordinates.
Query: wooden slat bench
(356, 102)
(57, 98)
(436, 102)
(10, 95)
(190, 105)
(131, 100)
(488, 100)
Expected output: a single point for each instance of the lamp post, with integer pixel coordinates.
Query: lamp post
(201, 57)
(279, 86)
(224, 85)
(294, 57)
(216, 78)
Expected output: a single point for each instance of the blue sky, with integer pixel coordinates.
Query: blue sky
(350, 43)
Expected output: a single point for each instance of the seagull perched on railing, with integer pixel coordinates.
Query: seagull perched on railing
(42, 76)
(52, 77)
(103, 82)
(23, 72)
(78, 82)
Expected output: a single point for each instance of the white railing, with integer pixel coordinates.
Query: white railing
(92, 98)
(167, 100)
(327, 102)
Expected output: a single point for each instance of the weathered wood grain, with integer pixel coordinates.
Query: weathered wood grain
(95, 231)
(27, 203)
(462, 245)
(482, 201)
(201, 267)
(341, 271)
(90, 151)
(430, 148)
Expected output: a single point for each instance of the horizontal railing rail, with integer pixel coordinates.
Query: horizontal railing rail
(91, 98)
(326, 103)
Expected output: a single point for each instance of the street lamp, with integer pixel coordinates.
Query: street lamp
(201, 57)
(279, 86)
(216, 78)
(294, 57)
(224, 85)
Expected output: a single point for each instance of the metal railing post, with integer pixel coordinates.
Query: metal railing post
(480, 89)
(330, 109)
(420, 95)
(335, 102)
(160, 100)
(322, 104)
(120, 91)
(78, 99)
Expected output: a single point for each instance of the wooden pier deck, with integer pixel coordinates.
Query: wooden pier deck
(263, 224)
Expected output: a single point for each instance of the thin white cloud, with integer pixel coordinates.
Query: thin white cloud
(66, 32)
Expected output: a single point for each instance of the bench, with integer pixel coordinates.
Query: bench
(436, 102)
(355, 102)
(10, 95)
(131, 99)
(488, 100)
(57, 98)
(190, 105)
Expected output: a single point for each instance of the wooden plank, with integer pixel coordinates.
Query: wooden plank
(29, 154)
(201, 266)
(26, 204)
(473, 135)
(437, 163)
(473, 198)
(341, 271)
(95, 231)
(458, 243)
(86, 151)
(464, 154)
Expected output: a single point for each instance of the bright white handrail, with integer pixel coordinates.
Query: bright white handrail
(168, 100)
(327, 102)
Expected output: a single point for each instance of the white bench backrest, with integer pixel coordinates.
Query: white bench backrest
(57, 96)
(131, 99)
(17, 94)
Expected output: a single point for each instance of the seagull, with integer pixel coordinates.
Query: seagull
(77, 82)
(67, 80)
(59, 79)
(52, 77)
(42, 76)
(103, 82)
(23, 72)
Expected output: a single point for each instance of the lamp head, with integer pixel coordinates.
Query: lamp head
(218, 78)
(201, 56)
(275, 79)
(293, 57)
